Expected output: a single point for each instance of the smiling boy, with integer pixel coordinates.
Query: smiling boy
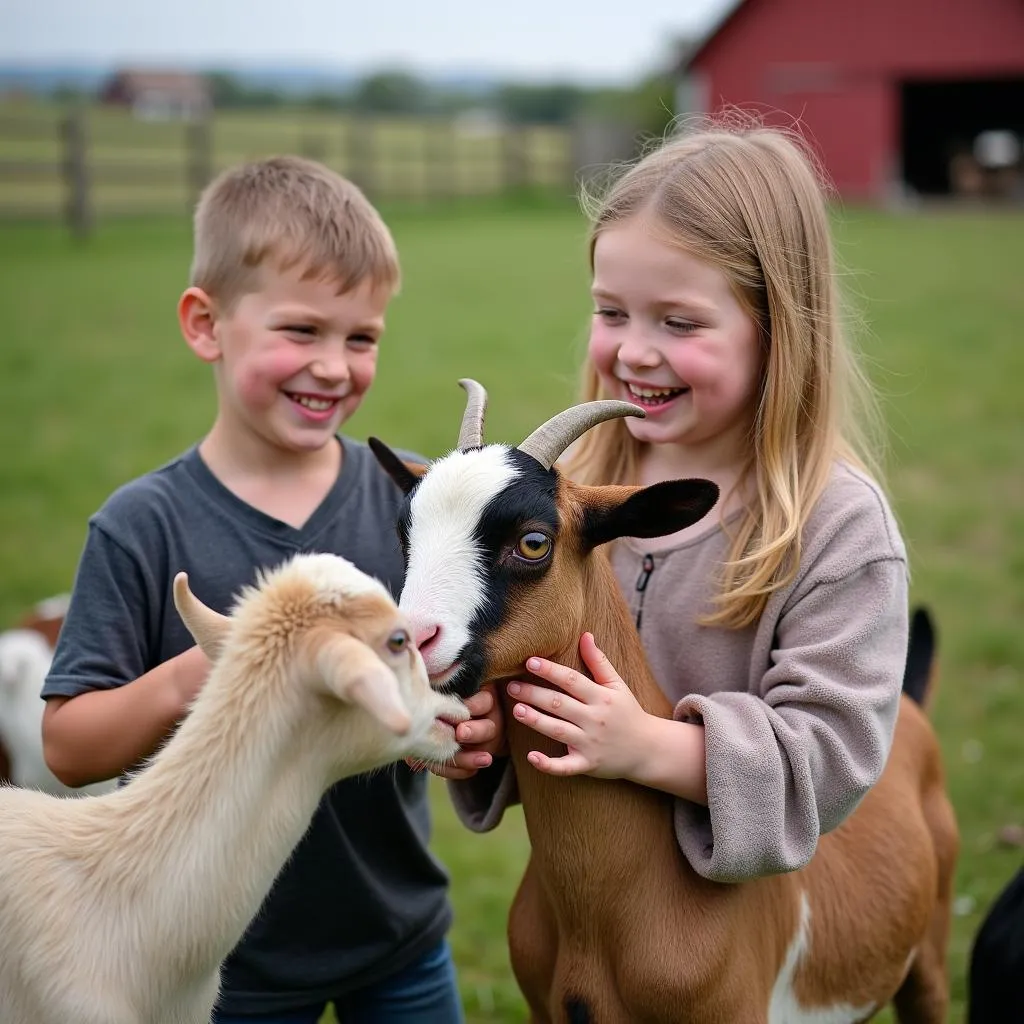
(292, 274)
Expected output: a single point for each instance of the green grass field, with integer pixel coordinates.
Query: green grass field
(99, 387)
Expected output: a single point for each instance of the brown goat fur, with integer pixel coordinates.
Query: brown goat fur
(611, 924)
(610, 912)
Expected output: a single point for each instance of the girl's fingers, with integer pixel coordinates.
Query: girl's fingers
(476, 731)
(573, 763)
(596, 660)
(552, 701)
(480, 703)
(562, 676)
(554, 728)
(463, 765)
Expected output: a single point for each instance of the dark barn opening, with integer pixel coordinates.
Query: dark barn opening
(958, 137)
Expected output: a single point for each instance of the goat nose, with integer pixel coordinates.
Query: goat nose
(426, 635)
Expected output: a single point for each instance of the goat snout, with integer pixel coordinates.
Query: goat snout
(427, 637)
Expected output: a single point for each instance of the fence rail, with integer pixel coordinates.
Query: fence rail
(89, 163)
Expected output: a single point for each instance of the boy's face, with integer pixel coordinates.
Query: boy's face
(295, 358)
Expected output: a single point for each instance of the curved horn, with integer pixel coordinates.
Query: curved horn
(471, 435)
(550, 439)
(208, 628)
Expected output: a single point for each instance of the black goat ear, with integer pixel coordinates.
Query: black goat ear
(655, 511)
(405, 474)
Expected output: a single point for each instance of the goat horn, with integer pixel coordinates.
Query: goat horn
(550, 439)
(471, 435)
(208, 628)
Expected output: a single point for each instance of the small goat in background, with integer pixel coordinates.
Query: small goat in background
(25, 655)
(996, 971)
(119, 909)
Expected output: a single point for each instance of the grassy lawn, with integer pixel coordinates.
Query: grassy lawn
(100, 388)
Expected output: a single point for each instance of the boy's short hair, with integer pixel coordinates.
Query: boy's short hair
(288, 211)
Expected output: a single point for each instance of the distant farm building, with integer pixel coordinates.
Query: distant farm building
(159, 95)
(899, 97)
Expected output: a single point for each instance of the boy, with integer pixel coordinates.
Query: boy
(292, 273)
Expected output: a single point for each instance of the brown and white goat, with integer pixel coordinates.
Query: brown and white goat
(119, 909)
(610, 924)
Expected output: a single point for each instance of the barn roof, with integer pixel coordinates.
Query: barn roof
(183, 84)
(692, 52)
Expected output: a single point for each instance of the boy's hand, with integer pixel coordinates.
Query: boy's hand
(482, 738)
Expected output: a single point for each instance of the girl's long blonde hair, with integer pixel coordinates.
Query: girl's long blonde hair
(748, 199)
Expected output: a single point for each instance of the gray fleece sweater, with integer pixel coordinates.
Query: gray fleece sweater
(798, 709)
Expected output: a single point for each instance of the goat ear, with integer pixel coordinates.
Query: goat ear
(655, 511)
(405, 474)
(209, 629)
(355, 675)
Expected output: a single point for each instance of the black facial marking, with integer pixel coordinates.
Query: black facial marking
(393, 465)
(528, 505)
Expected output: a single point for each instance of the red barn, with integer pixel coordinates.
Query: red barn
(898, 96)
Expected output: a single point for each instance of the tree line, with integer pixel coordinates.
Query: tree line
(648, 103)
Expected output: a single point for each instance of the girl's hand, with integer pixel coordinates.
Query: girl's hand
(482, 739)
(598, 719)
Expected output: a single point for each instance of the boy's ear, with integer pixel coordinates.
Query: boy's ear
(196, 318)
(656, 511)
(405, 474)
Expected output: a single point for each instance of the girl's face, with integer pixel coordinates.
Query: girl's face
(670, 335)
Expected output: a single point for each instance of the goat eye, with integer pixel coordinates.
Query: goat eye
(533, 546)
(398, 641)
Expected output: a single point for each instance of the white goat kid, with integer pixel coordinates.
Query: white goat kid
(119, 909)
(25, 657)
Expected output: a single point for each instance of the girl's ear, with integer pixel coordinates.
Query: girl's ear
(196, 318)
(656, 511)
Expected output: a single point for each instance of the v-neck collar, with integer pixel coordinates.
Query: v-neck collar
(325, 513)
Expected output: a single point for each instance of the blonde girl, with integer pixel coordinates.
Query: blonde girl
(778, 625)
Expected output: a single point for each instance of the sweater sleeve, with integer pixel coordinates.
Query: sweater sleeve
(480, 801)
(793, 761)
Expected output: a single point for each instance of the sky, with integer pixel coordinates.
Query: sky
(585, 40)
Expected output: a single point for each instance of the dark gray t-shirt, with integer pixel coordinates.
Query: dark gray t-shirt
(362, 897)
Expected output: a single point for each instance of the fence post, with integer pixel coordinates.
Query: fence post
(514, 157)
(359, 142)
(198, 157)
(441, 158)
(75, 165)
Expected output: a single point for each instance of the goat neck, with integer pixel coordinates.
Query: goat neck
(264, 800)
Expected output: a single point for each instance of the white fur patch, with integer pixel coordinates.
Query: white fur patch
(25, 658)
(444, 586)
(784, 1007)
(55, 607)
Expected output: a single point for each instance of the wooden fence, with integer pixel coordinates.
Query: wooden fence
(90, 163)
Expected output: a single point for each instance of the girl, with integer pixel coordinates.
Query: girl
(778, 625)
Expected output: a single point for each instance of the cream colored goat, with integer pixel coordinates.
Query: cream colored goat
(119, 909)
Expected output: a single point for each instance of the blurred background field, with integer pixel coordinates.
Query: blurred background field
(98, 387)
